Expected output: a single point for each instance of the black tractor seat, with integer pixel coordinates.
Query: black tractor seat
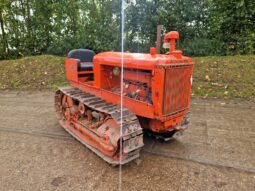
(85, 57)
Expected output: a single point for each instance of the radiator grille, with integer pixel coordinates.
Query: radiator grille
(177, 89)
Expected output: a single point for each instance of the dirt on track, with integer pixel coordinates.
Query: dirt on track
(217, 152)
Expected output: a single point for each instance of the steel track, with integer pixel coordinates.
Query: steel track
(132, 133)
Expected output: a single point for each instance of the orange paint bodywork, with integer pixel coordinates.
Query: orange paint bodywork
(168, 76)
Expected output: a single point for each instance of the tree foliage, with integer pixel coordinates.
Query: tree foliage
(234, 23)
(207, 27)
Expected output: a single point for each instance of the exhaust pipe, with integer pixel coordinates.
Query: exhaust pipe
(158, 42)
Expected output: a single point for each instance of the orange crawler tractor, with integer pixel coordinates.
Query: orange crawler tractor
(107, 107)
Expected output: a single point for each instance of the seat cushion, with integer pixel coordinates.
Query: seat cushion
(85, 66)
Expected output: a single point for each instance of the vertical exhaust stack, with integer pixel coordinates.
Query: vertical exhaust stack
(158, 43)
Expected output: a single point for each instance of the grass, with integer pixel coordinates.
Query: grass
(35, 72)
(223, 77)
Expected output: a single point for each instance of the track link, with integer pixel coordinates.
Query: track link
(131, 136)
